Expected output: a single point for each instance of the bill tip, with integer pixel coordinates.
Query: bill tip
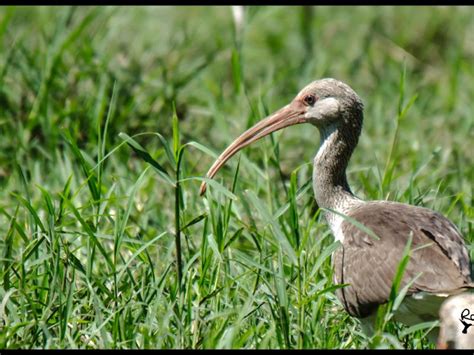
(202, 189)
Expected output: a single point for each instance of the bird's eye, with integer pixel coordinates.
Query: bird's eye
(309, 100)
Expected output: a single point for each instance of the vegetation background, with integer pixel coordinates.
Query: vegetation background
(110, 116)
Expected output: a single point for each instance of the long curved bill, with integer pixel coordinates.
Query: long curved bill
(286, 116)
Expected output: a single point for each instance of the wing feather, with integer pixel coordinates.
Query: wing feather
(369, 265)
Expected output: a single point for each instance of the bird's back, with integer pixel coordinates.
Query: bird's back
(439, 263)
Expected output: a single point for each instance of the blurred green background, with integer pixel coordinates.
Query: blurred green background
(73, 78)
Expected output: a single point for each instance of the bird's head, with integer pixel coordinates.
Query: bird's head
(323, 103)
(328, 102)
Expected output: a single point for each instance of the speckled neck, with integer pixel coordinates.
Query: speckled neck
(331, 188)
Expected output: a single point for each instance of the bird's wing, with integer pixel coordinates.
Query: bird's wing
(369, 265)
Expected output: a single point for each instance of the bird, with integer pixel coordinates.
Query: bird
(369, 256)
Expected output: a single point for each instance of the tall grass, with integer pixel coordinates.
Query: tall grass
(110, 117)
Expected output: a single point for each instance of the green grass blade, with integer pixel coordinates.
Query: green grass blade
(143, 154)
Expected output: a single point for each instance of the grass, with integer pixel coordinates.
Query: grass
(110, 117)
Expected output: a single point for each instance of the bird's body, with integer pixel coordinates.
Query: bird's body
(369, 257)
(439, 265)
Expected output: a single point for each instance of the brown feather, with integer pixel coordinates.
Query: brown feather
(369, 265)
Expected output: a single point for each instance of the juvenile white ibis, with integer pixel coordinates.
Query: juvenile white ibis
(368, 264)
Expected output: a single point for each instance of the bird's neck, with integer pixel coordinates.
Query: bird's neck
(331, 188)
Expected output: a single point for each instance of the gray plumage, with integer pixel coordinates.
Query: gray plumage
(369, 265)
